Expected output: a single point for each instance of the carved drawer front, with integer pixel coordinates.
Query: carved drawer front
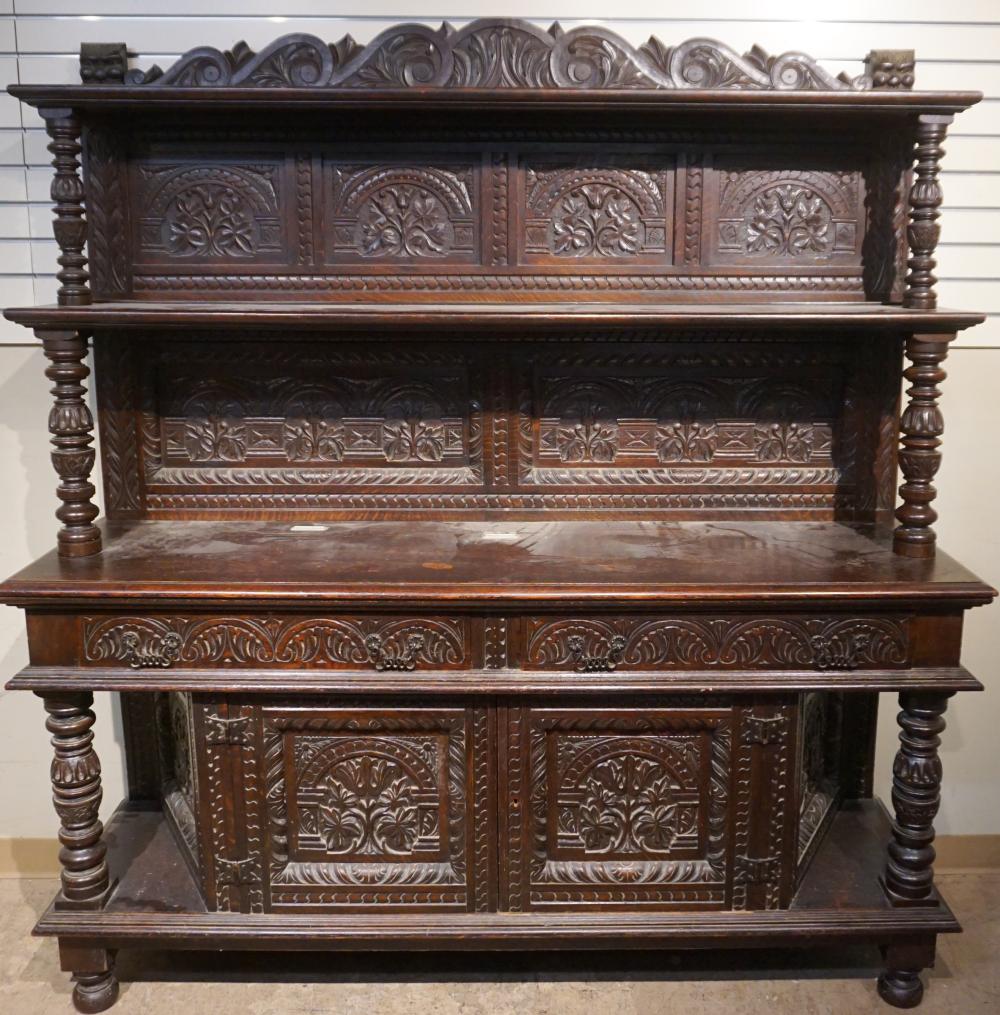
(601, 645)
(376, 644)
(373, 808)
(651, 806)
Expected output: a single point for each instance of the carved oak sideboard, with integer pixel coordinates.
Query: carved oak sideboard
(499, 431)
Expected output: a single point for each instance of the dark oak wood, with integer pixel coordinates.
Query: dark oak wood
(499, 439)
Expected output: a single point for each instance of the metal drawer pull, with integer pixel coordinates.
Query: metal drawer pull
(598, 663)
(388, 656)
(160, 654)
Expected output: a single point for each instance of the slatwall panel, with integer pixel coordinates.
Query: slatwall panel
(957, 44)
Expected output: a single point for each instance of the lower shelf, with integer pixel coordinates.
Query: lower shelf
(156, 903)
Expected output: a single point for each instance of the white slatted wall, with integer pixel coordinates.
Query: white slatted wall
(957, 45)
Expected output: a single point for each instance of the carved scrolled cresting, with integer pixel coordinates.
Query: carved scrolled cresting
(922, 426)
(72, 427)
(916, 796)
(508, 53)
(923, 231)
(70, 226)
(76, 796)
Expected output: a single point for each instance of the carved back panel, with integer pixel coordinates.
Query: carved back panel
(374, 207)
(794, 426)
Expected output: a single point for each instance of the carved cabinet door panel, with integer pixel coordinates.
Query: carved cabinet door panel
(371, 807)
(679, 807)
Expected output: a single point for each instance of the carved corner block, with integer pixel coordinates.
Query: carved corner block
(103, 63)
(891, 69)
(921, 426)
(72, 427)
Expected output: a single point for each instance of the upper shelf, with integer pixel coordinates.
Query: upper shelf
(497, 316)
(499, 63)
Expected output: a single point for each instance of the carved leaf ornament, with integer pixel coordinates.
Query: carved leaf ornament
(496, 53)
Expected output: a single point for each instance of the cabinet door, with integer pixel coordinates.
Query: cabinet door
(664, 808)
(375, 808)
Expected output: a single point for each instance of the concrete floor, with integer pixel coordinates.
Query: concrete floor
(966, 980)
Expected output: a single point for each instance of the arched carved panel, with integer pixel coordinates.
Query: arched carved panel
(421, 213)
(216, 211)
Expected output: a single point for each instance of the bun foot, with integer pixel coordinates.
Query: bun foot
(94, 992)
(901, 989)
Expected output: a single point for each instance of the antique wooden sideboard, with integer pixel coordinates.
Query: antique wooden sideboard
(499, 432)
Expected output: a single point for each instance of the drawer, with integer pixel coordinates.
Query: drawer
(378, 643)
(697, 642)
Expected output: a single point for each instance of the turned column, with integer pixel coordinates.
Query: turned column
(916, 796)
(76, 795)
(70, 226)
(919, 458)
(925, 200)
(72, 427)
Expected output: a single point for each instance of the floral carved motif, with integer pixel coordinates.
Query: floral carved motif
(223, 212)
(596, 220)
(403, 213)
(789, 216)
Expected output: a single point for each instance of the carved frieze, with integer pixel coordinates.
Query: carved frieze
(374, 643)
(637, 643)
(498, 53)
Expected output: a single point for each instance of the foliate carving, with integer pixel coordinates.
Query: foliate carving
(496, 53)
(370, 808)
(730, 642)
(922, 425)
(819, 764)
(76, 795)
(351, 642)
(620, 810)
(73, 455)
(916, 796)
(106, 213)
(220, 212)
(693, 209)
(403, 213)
(925, 200)
(788, 216)
(602, 211)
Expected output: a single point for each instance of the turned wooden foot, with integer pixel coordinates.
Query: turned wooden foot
(93, 992)
(902, 988)
(900, 985)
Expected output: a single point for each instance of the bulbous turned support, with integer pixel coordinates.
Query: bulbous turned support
(76, 795)
(95, 986)
(900, 984)
(919, 458)
(923, 231)
(70, 226)
(72, 427)
(916, 796)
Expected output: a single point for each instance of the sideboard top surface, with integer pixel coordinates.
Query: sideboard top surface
(492, 561)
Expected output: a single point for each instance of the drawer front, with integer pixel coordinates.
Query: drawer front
(374, 643)
(681, 807)
(379, 806)
(736, 642)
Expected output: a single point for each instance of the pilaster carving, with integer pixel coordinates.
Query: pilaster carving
(921, 426)
(72, 429)
(76, 795)
(925, 200)
(70, 227)
(916, 796)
